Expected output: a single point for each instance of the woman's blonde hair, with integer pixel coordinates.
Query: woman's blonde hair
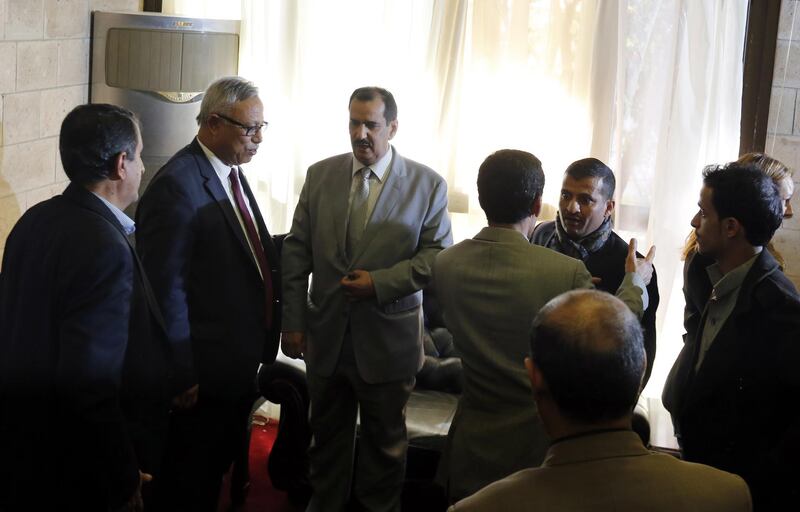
(771, 167)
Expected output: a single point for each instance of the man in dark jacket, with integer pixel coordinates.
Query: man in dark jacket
(583, 230)
(215, 273)
(732, 389)
(83, 355)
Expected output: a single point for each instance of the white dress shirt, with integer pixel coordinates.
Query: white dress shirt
(223, 172)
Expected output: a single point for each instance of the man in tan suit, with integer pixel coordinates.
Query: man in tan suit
(586, 366)
(490, 287)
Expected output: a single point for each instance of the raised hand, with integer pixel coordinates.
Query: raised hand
(642, 266)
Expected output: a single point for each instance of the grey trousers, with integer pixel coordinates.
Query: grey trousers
(380, 470)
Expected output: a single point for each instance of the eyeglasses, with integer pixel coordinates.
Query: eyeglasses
(249, 131)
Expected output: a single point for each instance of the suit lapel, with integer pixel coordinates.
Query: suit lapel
(391, 193)
(339, 205)
(727, 347)
(215, 190)
(263, 232)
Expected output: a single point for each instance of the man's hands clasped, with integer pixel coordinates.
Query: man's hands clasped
(357, 285)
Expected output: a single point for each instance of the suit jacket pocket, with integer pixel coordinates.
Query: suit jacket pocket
(403, 304)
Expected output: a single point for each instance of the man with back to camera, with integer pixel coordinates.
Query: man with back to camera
(83, 355)
(732, 388)
(367, 225)
(214, 270)
(585, 369)
(490, 287)
(583, 230)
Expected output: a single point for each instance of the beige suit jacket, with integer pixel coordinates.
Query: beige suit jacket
(407, 228)
(490, 288)
(612, 471)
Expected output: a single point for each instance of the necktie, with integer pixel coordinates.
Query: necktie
(255, 242)
(358, 210)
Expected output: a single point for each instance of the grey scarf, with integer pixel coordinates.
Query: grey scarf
(580, 249)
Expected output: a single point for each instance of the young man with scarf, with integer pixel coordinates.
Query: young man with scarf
(583, 230)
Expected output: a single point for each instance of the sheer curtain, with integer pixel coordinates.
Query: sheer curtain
(651, 87)
(666, 101)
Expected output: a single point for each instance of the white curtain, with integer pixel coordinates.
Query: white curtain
(666, 101)
(651, 87)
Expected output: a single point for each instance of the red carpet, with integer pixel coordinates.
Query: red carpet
(262, 495)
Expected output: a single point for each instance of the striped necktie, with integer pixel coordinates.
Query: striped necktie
(358, 210)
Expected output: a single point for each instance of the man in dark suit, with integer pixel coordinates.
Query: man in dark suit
(83, 357)
(732, 389)
(585, 371)
(368, 226)
(214, 270)
(583, 230)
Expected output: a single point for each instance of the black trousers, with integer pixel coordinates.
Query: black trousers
(201, 445)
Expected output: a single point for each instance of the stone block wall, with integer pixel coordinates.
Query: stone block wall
(783, 134)
(44, 73)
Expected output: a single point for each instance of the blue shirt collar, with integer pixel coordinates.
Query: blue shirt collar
(128, 226)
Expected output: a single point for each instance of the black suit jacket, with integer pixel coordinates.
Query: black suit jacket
(608, 263)
(738, 411)
(205, 277)
(81, 349)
